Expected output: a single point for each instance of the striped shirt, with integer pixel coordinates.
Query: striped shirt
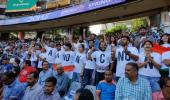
(140, 90)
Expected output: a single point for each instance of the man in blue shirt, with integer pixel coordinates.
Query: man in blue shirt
(106, 88)
(45, 73)
(62, 81)
(33, 88)
(93, 38)
(50, 92)
(13, 89)
(133, 87)
(5, 65)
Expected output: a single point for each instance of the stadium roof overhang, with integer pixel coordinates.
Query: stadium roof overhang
(125, 11)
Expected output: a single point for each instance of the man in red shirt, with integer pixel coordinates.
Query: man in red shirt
(25, 71)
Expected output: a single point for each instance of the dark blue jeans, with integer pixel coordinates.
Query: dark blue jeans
(87, 79)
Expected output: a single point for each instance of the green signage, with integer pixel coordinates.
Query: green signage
(20, 5)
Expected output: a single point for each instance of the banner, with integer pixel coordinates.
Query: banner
(21, 5)
(2, 3)
(52, 4)
(82, 8)
(64, 2)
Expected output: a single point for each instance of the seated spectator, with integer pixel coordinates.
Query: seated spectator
(83, 94)
(50, 92)
(1, 87)
(62, 81)
(133, 87)
(25, 71)
(5, 65)
(45, 73)
(33, 88)
(13, 89)
(16, 66)
(164, 94)
(106, 88)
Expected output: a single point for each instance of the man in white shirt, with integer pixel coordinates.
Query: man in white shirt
(89, 66)
(102, 61)
(59, 54)
(42, 57)
(51, 52)
(124, 54)
(68, 60)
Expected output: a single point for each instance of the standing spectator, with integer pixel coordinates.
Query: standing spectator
(50, 92)
(140, 38)
(68, 60)
(133, 87)
(124, 54)
(33, 88)
(62, 81)
(42, 57)
(166, 63)
(83, 94)
(165, 41)
(149, 65)
(59, 54)
(102, 60)
(112, 44)
(51, 52)
(25, 71)
(79, 63)
(45, 73)
(13, 89)
(93, 38)
(16, 66)
(106, 88)
(89, 66)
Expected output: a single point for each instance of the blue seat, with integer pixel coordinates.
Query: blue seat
(72, 90)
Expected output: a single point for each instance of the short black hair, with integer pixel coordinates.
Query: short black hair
(28, 62)
(10, 74)
(17, 60)
(149, 42)
(100, 44)
(58, 43)
(134, 65)
(68, 45)
(35, 74)
(163, 81)
(108, 70)
(51, 79)
(142, 27)
(82, 45)
(91, 41)
(44, 62)
(127, 37)
(84, 94)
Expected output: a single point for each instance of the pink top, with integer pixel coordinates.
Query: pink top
(158, 96)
